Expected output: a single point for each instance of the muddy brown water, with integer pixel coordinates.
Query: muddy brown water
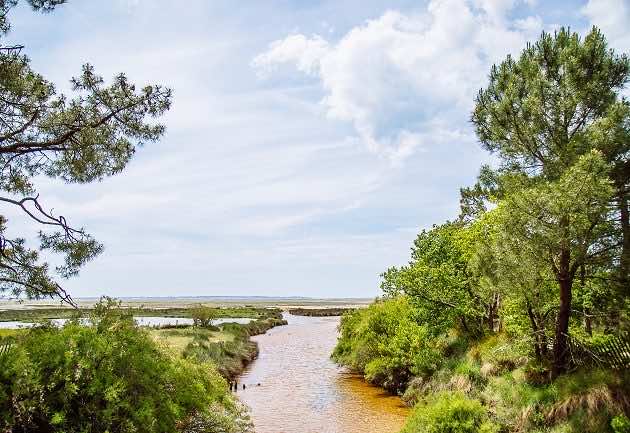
(302, 391)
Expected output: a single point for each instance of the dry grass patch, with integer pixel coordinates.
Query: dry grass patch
(594, 401)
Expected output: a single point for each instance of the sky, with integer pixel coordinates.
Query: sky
(308, 142)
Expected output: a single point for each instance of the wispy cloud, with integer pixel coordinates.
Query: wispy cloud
(406, 79)
(306, 145)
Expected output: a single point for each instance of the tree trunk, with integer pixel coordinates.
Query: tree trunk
(537, 344)
(464, 324)
(588, 320)
(493, 310)
(560, 345)
(624, 266)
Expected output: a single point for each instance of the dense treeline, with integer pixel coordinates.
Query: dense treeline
(535, 265)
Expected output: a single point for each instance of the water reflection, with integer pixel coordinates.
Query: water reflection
(302, 391)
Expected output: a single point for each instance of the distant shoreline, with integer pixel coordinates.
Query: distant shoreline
(284, 303)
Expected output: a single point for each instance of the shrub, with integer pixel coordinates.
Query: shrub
(386, 344)
(109, 376)
(620, 424)
(203, 316)
(449, 412)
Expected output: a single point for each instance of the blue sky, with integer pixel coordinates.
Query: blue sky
(308, 142)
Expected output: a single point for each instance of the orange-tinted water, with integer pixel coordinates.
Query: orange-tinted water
(302, 391)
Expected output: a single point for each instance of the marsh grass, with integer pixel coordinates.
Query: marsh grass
(227, 346)
(179, 338)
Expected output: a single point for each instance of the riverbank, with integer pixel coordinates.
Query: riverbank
(107, 375)
(321, 312)
(489, 382)
(228, 346)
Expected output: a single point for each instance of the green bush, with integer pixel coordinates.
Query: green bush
(449, 412)
(620, 424)
(109, 376)
(203, 316)
(386, 343)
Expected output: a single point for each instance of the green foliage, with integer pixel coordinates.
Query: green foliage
(555, 119)
(230, 357)
(532, 219)
(79, 139)
(441, 283)
(538, 261)
(449, 412)
(109, 376)
(386, 343)
(620, 424)
(203, 316)
(537, 110)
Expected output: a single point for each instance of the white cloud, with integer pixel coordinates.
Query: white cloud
(267, 186)
(402, 79)
(496, 10)
(613, 18)
(306, 52)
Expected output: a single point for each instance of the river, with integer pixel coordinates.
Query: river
(302, 391)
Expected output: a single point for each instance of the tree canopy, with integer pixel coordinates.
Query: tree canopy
(561, 184)
(541, 246)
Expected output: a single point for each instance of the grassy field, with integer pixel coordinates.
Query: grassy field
(180, 338)
(9, 332)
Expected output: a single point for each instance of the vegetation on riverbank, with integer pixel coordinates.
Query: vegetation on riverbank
(320, 312)
(227, 346)
(112, 375)
(38, 314)
(109, 376)
(490, 383)
(514, 317)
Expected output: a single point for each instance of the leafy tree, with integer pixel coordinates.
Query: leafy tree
(78, 139)
(611, 134)
(562, 223)
(521, 279)
(536, 112)
(203, 316)
(440, 282)
(543, 115)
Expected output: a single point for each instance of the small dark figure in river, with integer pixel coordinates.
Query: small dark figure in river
(235, 386)
(243, 386)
